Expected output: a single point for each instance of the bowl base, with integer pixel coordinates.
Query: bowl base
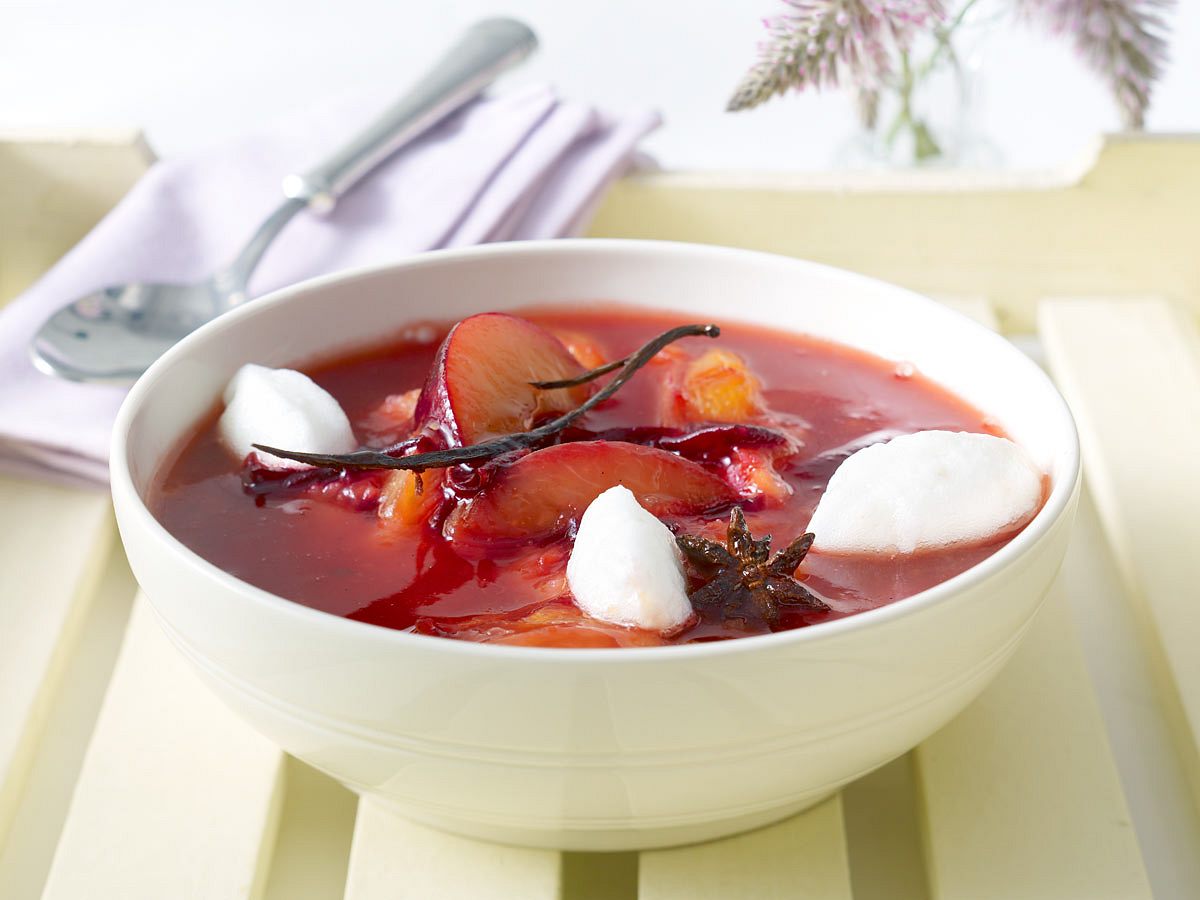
(606, 840)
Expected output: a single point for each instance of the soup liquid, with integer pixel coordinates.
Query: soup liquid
(346, 562)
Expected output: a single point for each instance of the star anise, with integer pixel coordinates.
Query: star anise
(747, 583)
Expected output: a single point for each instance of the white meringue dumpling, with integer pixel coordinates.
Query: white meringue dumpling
(625, 567)
(925, 491)
(281, 408)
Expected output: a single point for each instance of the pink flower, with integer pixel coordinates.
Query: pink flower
(817, 42)
(1121, 39)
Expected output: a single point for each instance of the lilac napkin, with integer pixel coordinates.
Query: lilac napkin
(515, 167)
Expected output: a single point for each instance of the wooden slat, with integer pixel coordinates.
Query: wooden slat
(53, 544)
(803, 857)
(25, 857)
(1020, 793)
(1165, 818)
(1131, 371)
(177, 798)
(394, 859)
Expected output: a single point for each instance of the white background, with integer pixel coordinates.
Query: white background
(195, 72)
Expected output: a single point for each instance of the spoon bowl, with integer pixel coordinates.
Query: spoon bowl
(113, 335)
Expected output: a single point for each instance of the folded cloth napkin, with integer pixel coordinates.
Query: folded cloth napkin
(518, 166)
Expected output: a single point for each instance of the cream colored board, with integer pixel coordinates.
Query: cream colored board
(176, 798)
(802, 858)
(1131, 371)
(394, 859)
(55, 541)
(53, 188)
(1020, 793)
(978, 308)
(78, 693)
(1123, 220)
(1134, 709)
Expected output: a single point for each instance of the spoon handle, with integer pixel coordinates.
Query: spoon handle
(484, 51)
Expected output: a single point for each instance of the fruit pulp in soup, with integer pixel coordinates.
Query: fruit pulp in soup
(319, 538)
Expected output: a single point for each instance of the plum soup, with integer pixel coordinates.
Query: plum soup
(448, 476)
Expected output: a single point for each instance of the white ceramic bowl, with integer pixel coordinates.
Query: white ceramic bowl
(596, 749)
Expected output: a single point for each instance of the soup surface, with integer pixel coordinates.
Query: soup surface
(318, 538)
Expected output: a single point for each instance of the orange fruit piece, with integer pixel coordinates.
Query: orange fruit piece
(586, 350)
(409, 498)
(752, 473)
(718, 387)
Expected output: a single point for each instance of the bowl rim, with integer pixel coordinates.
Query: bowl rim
(138, 514)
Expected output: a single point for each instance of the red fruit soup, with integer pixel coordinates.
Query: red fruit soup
(757, 419)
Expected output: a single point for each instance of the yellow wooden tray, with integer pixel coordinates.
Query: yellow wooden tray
(1076, 775)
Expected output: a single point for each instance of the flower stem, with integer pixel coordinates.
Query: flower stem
(903, 90)
(924, 145)
(943, 36)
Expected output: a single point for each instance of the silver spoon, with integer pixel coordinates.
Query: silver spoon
(114, 334)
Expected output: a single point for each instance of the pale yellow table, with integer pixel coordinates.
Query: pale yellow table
(1074, 776)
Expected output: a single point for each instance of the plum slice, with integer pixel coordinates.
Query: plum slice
(479, 387)
(745, 454)
(538, 496)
